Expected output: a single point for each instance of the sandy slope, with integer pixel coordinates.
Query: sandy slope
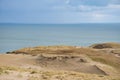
(27, 67)
(16, 60)
(69, 63)
(97, 62)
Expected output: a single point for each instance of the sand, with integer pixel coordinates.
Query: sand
(61, 63)
(25, 67)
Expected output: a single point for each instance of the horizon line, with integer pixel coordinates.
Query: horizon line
(66, 23)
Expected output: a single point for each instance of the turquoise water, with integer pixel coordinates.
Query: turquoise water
(15, 36)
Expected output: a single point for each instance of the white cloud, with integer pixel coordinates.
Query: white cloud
(64, 10)
(84, 8)
(99, 15)
(115, 6)
(67, 1)
(115, 1)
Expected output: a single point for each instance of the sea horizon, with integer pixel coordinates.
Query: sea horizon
(14, 36)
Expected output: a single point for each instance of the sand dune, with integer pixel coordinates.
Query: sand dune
(22, 67)
(67, 63)
(60, 63)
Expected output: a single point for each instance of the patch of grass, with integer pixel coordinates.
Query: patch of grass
(34, 78)
(49, 74)
(20, 75)
(106, 45)
(95, 55)
(45, 77)
(106, 59)
(57, 75)
(33, 72)
(5, 69)
(2, 71)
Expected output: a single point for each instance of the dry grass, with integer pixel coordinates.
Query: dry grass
(56, 75)
(44, 49)
(3, 71)
(33, 72)
(106, 59)
(13, 68)
(69, 50)
(106, 45)
(95, 55)
(116, 51)
(64, 75)
(98, 56)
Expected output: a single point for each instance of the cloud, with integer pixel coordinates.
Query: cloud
(89, 2)
(115, 2)
(81, 7)
(100, 16)
(69, 11)
(114, 6)
(67, 1)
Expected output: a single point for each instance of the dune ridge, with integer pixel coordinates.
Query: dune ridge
(62, 63)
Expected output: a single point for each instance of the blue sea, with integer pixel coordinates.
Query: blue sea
(16, 36)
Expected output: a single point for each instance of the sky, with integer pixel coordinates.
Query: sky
(59, 11)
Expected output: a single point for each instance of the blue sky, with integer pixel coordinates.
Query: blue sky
(59, 11)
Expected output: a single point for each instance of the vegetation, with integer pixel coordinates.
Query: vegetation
(105, 45)
(109, 60)
(94, 52)
(54, 75)
(95, 55)
(2, 71)
(33, 72)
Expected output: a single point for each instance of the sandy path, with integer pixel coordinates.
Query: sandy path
(19, 60)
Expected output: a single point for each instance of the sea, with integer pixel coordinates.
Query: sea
(17, 36)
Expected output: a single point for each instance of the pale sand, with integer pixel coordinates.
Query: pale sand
(48, 64)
